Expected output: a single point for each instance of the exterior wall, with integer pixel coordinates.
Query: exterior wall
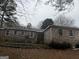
(52, 34)
(18, 35)
(47, 36)
(40, 37)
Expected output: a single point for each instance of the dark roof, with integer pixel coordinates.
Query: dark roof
(39, 30)
(63, 27)
(23, 29)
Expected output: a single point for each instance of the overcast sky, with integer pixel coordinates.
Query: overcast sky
(27, 13)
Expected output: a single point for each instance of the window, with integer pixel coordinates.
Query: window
(70, 33)
(30, 34)
(7, 32)
(15, 32)
(60, 32)
(22, 33)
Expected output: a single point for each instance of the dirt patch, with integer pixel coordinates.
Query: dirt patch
(18, 53)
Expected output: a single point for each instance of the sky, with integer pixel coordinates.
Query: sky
(28, 13)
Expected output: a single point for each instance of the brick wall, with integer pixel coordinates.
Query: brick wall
(18, 35)
(52, 34)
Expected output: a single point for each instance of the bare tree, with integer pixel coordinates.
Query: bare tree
(29, 25)
(62, 20)
(60, 5)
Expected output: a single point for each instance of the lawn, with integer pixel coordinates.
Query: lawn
(24, 53)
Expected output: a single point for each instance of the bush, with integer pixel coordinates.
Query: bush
(57, 45)
(77, 45)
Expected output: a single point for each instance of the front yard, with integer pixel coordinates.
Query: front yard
(25, 53)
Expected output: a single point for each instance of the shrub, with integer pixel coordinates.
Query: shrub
(77, 45)
(57, 45)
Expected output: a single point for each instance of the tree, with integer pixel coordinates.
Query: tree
(61, 20)
(7, 11)
(11, 24)
(46, 23)
(1, 1)
(60, 5)
(29, 25)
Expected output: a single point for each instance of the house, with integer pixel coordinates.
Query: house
(61, 34)
(52, 33)
(18, 35)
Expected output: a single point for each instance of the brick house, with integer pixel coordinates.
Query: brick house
(61, 34)
(19, 34)
(51, 33)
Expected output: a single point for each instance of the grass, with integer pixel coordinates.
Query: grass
(18, 53)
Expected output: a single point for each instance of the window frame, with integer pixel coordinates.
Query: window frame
(71, 33)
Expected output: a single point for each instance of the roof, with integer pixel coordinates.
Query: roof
(22, 29)
(38, 30)
(63, 27)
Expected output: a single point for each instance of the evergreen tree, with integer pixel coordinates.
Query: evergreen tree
(7, 12)
(46, 23)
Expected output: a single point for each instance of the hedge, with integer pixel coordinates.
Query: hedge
(57, 45)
